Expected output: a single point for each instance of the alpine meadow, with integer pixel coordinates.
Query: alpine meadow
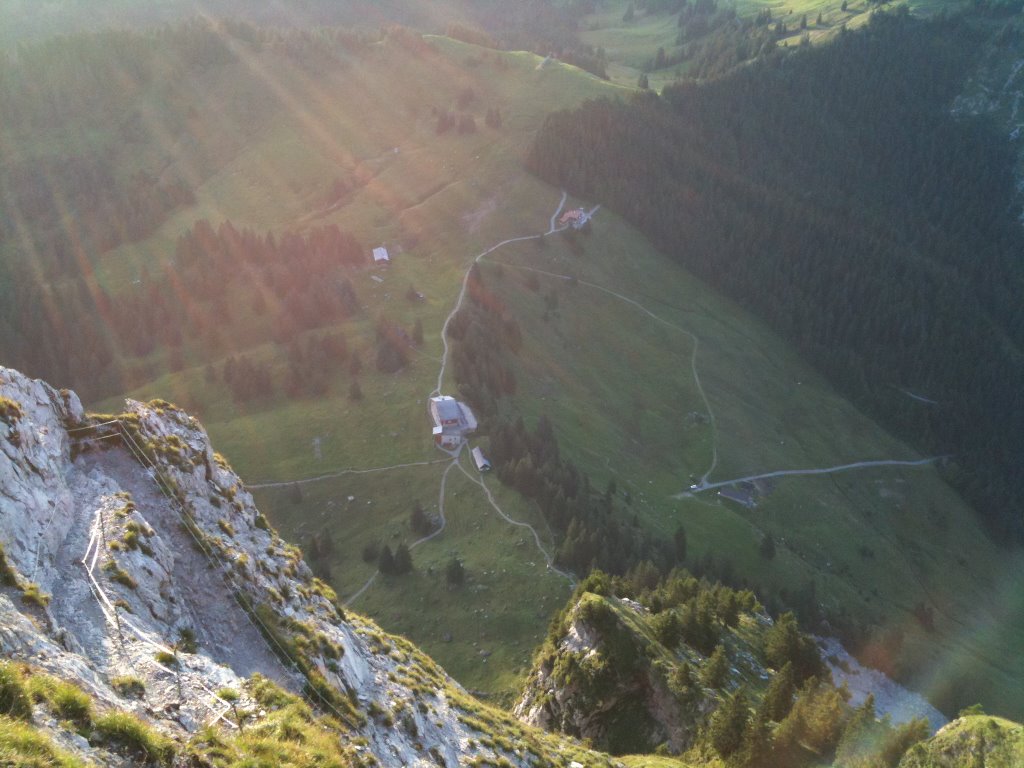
(559, 382)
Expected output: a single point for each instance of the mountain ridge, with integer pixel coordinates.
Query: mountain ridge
(154, 615)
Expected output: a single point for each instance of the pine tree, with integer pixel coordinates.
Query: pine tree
(455, 572)
(403, 559)
(857, 737)
(642, 81)
(683, 682)
(756, 747)
(667, 628)
(784, 642)
(778, 698)
(419, 521)
(728, 724)
(715, 669)
(679, 539)
(386, 561)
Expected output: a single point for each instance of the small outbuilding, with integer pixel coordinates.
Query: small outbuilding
(381, 256)
(482, 462)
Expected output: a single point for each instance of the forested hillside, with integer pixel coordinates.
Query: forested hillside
(831, 191)
(86, 167)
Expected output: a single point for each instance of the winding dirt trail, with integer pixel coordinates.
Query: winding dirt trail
(703, 485)
(552, 228)
(548, 559)
(444, 523)
(342, 472)
(663, 321)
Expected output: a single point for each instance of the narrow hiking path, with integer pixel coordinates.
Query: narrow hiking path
(444, 523)
(341, 473)
(552, 228)
(455, 454)
(703, 485)
(549, 560)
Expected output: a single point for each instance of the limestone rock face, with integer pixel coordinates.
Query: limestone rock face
(158, 566)
(968, 741)
(597, 683)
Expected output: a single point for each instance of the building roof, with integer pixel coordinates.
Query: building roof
(380, 254)
(482, 462)
(445, 408)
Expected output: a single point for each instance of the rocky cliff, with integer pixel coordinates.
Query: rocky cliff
(136, 565)
(971, 740)
(607, 678)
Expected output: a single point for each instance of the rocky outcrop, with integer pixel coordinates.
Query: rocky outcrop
(607, 680)
(969, 741)
(137, 553)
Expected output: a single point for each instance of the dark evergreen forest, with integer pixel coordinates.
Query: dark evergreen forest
(830, 191)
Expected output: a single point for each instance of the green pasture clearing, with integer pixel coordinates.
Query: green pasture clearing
(484, 631)
(616, 383)
(435, 203)
(618, 387)
(631, 47)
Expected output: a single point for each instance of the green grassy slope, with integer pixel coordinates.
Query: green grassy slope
(616, 382)
(874, 543)
(972, 740)
(632, 46)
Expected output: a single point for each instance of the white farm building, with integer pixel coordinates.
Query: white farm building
(452, 421)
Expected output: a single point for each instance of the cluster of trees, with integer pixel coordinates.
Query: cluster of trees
(79, 179)
(312, 362)
(588, 525)
(305, 272)
(714, 40)
(397, 563)
(461, 123)
(831, 191)
(64, 209)
(592, 528)
(293, 283)
(797, 730)
(319, 551)
(484, 338)
(246, 379)
(54, 332)
(541, 26)
(800, 717)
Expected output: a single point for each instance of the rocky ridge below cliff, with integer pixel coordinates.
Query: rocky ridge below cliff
(135, 553)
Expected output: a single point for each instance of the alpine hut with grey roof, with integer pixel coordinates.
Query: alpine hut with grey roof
(453, 420)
